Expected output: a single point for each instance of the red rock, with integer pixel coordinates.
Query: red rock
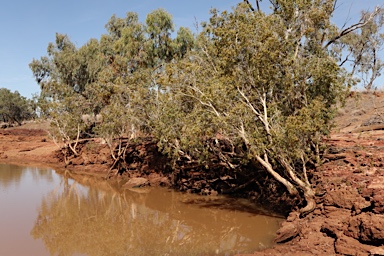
(288, 231)
(367, 227)
(348, 246)
(377, 183)
(372, 228)
(347, 198)
(378, 251)
(135, 183)
(378, 201)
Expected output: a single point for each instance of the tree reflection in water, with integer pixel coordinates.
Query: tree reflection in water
(13, 174)
(76, 219)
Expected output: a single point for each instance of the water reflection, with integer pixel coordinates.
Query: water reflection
(43, 213)
(21, 189)
(74, 219)
(11, 175)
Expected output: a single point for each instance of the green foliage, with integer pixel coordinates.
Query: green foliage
(15, 108)
(265, 84)
(184, 41)
(114, 77)
(159, 28)
(251, 79)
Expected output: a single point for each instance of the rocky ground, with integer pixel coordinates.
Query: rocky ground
(348, 220)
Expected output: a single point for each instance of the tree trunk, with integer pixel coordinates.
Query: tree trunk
(290, 187)
(309, 196)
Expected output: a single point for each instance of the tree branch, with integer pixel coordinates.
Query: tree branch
(290, 187)
(250, 6)
(363, 21)
(209, 104)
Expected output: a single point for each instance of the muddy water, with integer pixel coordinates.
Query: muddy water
(43, 213)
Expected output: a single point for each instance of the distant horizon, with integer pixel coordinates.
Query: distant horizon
(28, 28)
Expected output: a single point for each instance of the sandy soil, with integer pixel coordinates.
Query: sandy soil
(349, 218)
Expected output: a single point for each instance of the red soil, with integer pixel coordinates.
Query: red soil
(349, 217)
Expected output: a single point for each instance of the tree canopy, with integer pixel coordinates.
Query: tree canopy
(264, 84)
(15, 108)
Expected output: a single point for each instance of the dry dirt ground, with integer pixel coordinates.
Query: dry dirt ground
(349, 218)
(28, 144)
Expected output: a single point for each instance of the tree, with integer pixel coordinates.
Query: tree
(14, 108)
(362, 47)
(265, 84)
(159, 28)
(184, 42)
(114, 77)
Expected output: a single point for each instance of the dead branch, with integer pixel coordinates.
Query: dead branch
(249, 4)
(120, 155)
(363, 21)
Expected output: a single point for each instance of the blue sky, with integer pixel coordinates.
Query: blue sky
(28, 26)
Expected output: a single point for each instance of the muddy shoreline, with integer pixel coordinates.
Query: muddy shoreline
(348, 219)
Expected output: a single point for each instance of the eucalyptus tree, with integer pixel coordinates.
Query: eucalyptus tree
(138, 53)
(159, 26)
(362, 47)
(14, 108)
(263, 83)
(114, 77)
(65, 76)
(357, 45)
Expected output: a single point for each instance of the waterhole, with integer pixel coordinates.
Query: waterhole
(45, 213)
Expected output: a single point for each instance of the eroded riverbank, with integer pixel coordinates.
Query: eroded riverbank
(349, 217)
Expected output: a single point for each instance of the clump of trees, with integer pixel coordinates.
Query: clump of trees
(263, 85)
(115, 77)
(14, 108)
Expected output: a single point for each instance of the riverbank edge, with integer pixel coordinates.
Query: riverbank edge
(348, 219)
